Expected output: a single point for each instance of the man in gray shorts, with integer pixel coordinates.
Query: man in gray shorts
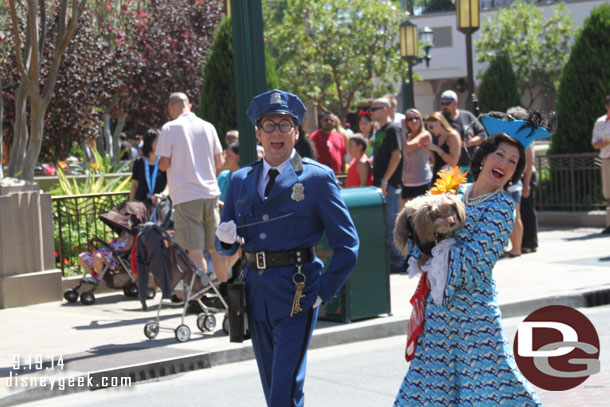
(190, 152)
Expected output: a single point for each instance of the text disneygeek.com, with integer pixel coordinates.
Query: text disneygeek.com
(14, 381)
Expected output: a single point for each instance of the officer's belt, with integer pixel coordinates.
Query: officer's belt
(262, 260)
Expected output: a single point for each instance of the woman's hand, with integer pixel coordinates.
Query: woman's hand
(157, 197)
(423, 144)
(429, 146)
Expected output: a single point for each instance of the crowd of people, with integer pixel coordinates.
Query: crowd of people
(403, 153)
(273, 212)
(399, 153)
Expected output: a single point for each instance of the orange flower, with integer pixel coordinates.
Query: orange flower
(95, 166)
(448, 181)
(62, 165)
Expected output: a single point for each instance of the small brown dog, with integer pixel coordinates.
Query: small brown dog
(426, 220)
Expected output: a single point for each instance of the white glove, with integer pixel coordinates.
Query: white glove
(318, 302)
(227, 232)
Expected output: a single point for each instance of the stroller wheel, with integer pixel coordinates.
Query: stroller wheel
(183, 333)
(151, 329)
(131, 290)
(71, 296)
(225, 324)
(150, 293)
(87, 298)
(206, 322)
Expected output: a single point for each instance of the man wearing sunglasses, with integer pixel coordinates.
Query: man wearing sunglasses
(471, 131)
(387, 171)
(277, 209)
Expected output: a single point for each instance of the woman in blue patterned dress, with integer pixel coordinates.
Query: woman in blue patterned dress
(463, 357)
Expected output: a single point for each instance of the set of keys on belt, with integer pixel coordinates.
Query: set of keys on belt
(299, 283)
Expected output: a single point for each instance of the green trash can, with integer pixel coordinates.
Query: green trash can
(366, 292)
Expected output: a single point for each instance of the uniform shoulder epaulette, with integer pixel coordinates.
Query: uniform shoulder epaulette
(307, 160)
(321, 166)
(253, 165)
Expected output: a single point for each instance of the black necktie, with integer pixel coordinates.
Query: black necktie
(273, 173)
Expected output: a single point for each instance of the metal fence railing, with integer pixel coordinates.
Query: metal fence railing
(569, 182)
(76, 222)
(566, 182)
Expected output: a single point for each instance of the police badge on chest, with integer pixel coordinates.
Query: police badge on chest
(298, 192)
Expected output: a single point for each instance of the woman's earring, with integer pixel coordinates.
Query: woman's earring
(480, 167)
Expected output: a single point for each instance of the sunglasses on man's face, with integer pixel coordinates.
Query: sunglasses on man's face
(446, 103)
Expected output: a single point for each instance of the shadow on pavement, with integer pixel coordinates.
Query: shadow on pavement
(590, 236)
(75, 361)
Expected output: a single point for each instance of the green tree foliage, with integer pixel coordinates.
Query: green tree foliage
(218, 92)
(584, 85)
(537, 46)
(336, 52)
(498, 89)
(273, 81)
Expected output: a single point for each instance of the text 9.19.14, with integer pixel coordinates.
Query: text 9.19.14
(37, 362)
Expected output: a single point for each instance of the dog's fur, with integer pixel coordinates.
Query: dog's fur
(431, 218)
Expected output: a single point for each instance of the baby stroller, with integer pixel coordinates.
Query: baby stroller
(117, 272)
(176, 274)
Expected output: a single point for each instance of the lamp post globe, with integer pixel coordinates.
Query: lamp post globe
(426, 36)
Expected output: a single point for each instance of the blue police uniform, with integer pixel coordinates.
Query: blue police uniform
(304, 202)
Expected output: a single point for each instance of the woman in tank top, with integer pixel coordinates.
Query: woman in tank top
(445, 145)
(416, 170)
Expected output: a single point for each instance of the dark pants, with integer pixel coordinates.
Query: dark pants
(529, 218)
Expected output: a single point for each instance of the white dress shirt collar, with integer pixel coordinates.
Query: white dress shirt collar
(265, 177)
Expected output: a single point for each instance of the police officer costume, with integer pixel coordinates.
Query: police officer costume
(280, 233)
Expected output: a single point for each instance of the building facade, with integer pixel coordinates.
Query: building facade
(448, 69)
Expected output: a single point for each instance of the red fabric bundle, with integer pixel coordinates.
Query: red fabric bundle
(416, 321)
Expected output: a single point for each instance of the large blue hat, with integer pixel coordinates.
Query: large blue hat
(273, 102)
(523, 130)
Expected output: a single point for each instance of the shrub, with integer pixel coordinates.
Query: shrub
(218, 92)
(498, 89)
(584, 84)
(95, 171)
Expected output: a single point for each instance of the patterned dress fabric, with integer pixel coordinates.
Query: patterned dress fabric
(119, 243)
(463, 357)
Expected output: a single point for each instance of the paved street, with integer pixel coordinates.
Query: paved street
(570, 268)
(357, 375)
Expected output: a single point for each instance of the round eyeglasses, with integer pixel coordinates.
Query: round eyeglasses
(284, 126)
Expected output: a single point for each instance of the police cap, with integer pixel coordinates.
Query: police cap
(276, 102)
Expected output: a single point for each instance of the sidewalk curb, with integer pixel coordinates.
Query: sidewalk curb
(379, 327)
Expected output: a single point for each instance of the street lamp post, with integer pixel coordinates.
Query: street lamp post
(409, 50)
(249, 68)
(467, 23)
